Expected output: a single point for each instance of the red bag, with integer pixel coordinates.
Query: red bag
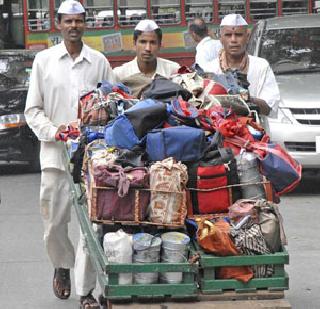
(209, 184)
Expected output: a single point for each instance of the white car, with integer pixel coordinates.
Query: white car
(291, 44)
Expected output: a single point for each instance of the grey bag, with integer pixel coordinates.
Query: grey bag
(271, 224)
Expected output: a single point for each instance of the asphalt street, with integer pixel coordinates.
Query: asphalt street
(26, 274)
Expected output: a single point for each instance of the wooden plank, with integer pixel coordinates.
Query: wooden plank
(245, 304)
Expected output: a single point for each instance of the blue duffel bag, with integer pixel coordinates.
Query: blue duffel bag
(182, 142)
(120, 133)
(129, 130)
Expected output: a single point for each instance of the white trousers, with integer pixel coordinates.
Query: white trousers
(55, 208)
(85, 275)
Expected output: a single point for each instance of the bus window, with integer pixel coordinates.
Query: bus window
(99, 13)
(231, 6)
(166, 11)
(199, 8)
(131, 11)
(38, 15)
(263, 9)
(316, 8)
(294, 7)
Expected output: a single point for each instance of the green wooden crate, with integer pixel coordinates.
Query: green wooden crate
(108, 273)
(208, 264)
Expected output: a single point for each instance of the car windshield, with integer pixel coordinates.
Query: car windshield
(292, 50)
(15, 70)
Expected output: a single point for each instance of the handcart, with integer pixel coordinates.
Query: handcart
(199, 280)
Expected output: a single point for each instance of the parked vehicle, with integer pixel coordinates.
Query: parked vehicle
(291, 44)
(18, 144)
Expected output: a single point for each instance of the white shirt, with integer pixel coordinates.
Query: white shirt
(207, 50)
(263, 84)
(164, 68)
(57, 81)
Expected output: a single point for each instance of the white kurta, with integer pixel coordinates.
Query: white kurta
(164, 68)
(263, 84)
(57, 82)
(207, 50)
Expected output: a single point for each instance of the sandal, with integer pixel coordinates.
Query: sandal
(89, 302)
(61, 283)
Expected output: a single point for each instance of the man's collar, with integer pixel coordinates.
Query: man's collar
(137, 67)
(84, 54)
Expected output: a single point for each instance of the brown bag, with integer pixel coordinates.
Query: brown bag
(214, 238)
(168, 195)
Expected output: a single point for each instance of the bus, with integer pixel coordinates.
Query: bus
(110, 23)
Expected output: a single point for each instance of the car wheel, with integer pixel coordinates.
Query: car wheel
(34, 164)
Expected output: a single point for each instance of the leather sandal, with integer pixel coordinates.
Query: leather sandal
(61, 283)
(89, 302)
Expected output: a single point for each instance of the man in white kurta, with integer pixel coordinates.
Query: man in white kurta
(207, 49)
(263, 87)
(262, 81)
(60, 75)
(146, 65)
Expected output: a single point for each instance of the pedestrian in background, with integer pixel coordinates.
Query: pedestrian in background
(207, 48)
(59, 76)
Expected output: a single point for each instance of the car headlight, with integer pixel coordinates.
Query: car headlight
(12, 121)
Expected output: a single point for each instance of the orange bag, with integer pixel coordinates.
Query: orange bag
(214, 238)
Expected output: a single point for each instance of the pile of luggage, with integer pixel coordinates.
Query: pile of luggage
(188, 154)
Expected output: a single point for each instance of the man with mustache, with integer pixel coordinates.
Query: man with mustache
(263, 88)
(60, 75)
(147, 38)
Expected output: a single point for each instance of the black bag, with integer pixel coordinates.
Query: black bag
(164, 89)
(146, 115)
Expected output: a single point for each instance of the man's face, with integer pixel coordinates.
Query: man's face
(234, 40)
(147, 46)
(72, 27)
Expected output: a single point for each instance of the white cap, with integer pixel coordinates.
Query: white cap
(146, 25)
(71, 7)
(233, 20)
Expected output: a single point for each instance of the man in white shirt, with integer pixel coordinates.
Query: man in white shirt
(207, 48)
(146, 65)
(60, 75)
(263, 88)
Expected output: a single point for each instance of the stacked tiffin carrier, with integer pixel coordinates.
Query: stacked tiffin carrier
(185, 154)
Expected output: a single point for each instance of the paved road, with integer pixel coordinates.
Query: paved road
(26, 273)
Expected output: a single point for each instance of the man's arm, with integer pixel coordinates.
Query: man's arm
(269, 93)
(34, 110)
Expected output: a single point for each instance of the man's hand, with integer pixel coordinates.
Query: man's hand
(263, 106)
(61, 129)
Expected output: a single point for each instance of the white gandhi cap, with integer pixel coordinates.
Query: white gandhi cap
(71, 7)
(233, 20)
(146, 25)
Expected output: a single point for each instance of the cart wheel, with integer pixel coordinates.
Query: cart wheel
(103, 302)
